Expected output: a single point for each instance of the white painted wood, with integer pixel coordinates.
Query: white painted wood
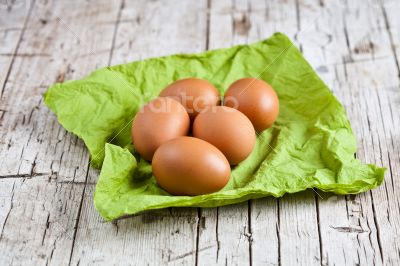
(376, 109)
(13, 17)
(158, 28)
(273, 16)
(379, 104)
(351, 45)
(391, 9)
(224, 236)
(355, 61)
(271, 243)
(227, 229)
(37, 220)
(298, 230)
(154, 238)
(39, 207)
(387, 200)
(265, 18)
(344, 226)
(32, 141)
(265, 231)
(166, 236)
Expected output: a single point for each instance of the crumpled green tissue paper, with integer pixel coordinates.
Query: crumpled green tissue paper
(311, 145)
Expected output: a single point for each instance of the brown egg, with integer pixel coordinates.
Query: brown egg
(256, 99)
(227, 129)
(160, 120)
(190, 166)
(196, 95)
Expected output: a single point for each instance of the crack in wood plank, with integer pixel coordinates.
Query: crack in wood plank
(199, 218)
(319, 229)
(78, 218)
(118, 21)
(187, 254)
(24, 175)
(8, 213)
(249, 234)
(278, 225)
(25, 54)
(388, 30)
(17, 46)
(52, 238)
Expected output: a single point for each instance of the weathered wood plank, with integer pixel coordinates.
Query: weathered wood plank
(154, 238)
(37, 219)
(265, 230)
(13, 18)
(146, 29)
(391, 9)
(388, 216)
(377, 108)
(159, 28)
(355, 59)
(38, 214)
(32, 140)
(224, 236)
(380, 104)
(346, 236)
(226, 230)
(252, 24)
(275, 237)
(298, 230)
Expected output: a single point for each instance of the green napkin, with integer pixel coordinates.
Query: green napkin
(311, 144)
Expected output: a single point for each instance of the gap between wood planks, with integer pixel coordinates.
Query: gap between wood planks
(199, 216)
(14, 54)
(121, 6)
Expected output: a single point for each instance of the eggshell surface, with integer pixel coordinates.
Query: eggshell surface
(227, 129)
(160, 120)
(256, 99)
(190, 166)
(196, 95)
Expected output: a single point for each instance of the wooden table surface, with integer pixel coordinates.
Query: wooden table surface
(46, 186)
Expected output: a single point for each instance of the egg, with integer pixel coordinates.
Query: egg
(196, 95)
(160, 120)
(227, 129)
(190, 166)
(256, 99)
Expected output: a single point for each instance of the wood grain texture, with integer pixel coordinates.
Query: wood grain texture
(356, 59)
(265, 232)
(39, 159)
(46, 188)
(297, 230)
(227, 229)
(32, 141)
(13, 19)
(350, 229)
(166, 236)
(38, 220)
(159, 237)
